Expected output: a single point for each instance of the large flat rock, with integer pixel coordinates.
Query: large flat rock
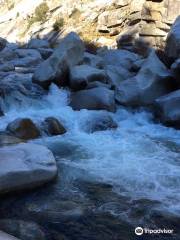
(25, 166)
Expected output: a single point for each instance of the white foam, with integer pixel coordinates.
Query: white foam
(140, 157)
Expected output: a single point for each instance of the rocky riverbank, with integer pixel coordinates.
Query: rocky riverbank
(83, 97)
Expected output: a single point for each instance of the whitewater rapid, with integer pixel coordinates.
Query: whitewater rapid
(141, 159)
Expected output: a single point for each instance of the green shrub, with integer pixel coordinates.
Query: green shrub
(59, 23)
(91, 47)
(41, 12)
(40, 15)
(75, 13)
(11, 6)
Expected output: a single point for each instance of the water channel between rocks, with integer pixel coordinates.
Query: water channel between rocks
(109, 182)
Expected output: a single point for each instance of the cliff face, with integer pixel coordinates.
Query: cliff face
(97, 20)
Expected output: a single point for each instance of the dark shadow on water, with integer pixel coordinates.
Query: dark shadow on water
(76, 207)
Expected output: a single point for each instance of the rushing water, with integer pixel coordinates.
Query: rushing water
(140, 160)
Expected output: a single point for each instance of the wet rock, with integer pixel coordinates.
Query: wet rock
(99, 98)
(13, 79)
(152, 81)
(168, 108)
(55, 69)
(8, 140)
(3, 43)
(23, 129)
(100, 122)
(25, 166)
(57, 209)
(164, 218)
(53, 126)
(22, 229)
(38, 43)
(173, 41)
(81, 75)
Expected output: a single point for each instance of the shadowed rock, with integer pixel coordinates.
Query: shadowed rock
(168, 108)
(38, 43)
(175, 68)
(1, 113)
(53, 126)
(2, 43)
(173, 40)
(93, 60)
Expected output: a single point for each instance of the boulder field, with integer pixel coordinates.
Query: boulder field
(97, 21)
(104, 81)
(89, 114)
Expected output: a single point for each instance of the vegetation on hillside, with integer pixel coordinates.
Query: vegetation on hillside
(40, 14)
(59, 23)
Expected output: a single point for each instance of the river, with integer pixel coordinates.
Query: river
(109, 181)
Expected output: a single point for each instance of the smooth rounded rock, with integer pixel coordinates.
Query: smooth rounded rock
(23, 128)
(53, 126)
(100, 122)
(25, 166)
